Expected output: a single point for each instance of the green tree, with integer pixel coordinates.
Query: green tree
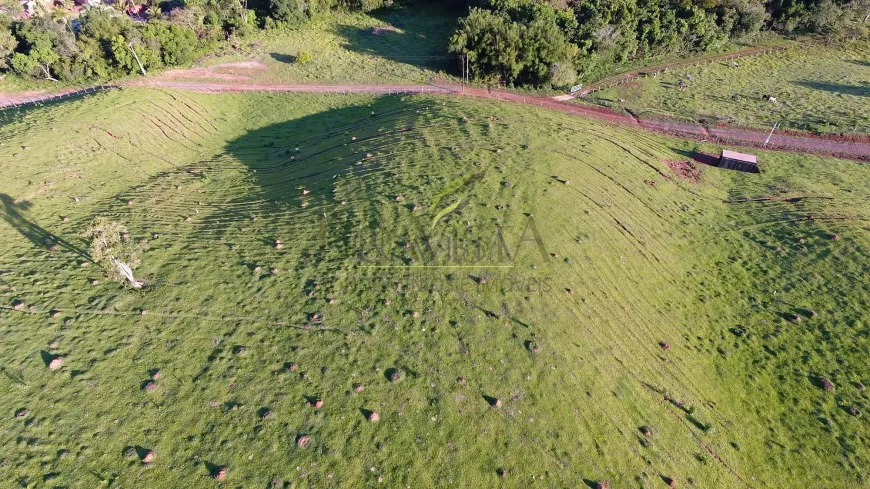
(8, 44)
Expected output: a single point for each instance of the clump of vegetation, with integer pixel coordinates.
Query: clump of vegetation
(305, 57)
(112, 249)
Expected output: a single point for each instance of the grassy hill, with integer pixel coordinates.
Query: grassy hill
(818, 88)
(521, 296)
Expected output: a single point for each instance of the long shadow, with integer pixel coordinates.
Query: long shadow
(309, 184)
(703, 158)
(14, 215)
(283, 58)
(854, 90)
(859, 62)
(416, 35)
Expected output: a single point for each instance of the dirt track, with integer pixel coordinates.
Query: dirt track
(825, 145)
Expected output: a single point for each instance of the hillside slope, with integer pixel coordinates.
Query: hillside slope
(518, 294)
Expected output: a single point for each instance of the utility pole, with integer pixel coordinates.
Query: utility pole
(771, 133)
(142, 68)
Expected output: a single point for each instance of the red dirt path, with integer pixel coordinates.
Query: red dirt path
(824, 145)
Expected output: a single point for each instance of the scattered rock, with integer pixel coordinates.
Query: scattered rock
(18, 305)
(664, 345)
(148, 458)
(395, 375)
(318, 403)
(794, 318)
(854, 411)
(835, 237)
(646, 431)
(150, 386)
(56, 363)
(292, 367)
(273, 271)
(221, 474)
(358, 387)
(278, 244)
(374, 417)
(415, 314)
(826, 383)
(532, 346)
(602, 485)
(303, 440)
(21, 413)
(492, 401)
(570, 291)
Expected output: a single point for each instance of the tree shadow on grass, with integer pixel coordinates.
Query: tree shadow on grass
(859, 62)
(315, 185)
(15, 215)
(283, 58)
(854, 90)
(416, 35)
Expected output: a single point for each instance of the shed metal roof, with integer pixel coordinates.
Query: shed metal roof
(734, 155)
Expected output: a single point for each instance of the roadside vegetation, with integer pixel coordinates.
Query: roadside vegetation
(527, 43)
(420, 291)
(818, 88)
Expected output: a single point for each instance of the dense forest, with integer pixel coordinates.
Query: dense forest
(520, 42)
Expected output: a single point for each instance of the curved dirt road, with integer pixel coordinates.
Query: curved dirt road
(824, 145)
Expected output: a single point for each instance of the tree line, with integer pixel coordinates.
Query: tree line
(517, 42)
(108, 41)
(539, 43)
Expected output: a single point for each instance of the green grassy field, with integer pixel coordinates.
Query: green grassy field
(391, 46)
(818, 88)
(485, 251)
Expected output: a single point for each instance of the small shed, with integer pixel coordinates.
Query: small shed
(732, 160)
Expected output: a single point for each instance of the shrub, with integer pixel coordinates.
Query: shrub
(304, 57)
(113, 250)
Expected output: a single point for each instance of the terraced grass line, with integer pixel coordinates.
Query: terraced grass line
(632, 326)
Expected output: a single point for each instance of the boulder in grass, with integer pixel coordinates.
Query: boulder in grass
(826, 384)
(302, 441)
(55, 363)
(18, 305)
(374, 417)
(148, 458)
(221, 473)
(602, 485)
(318, 403)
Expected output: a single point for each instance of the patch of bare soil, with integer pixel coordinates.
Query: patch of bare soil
(225, 71)
(686, 170)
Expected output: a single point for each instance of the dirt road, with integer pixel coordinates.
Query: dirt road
(824, 145)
